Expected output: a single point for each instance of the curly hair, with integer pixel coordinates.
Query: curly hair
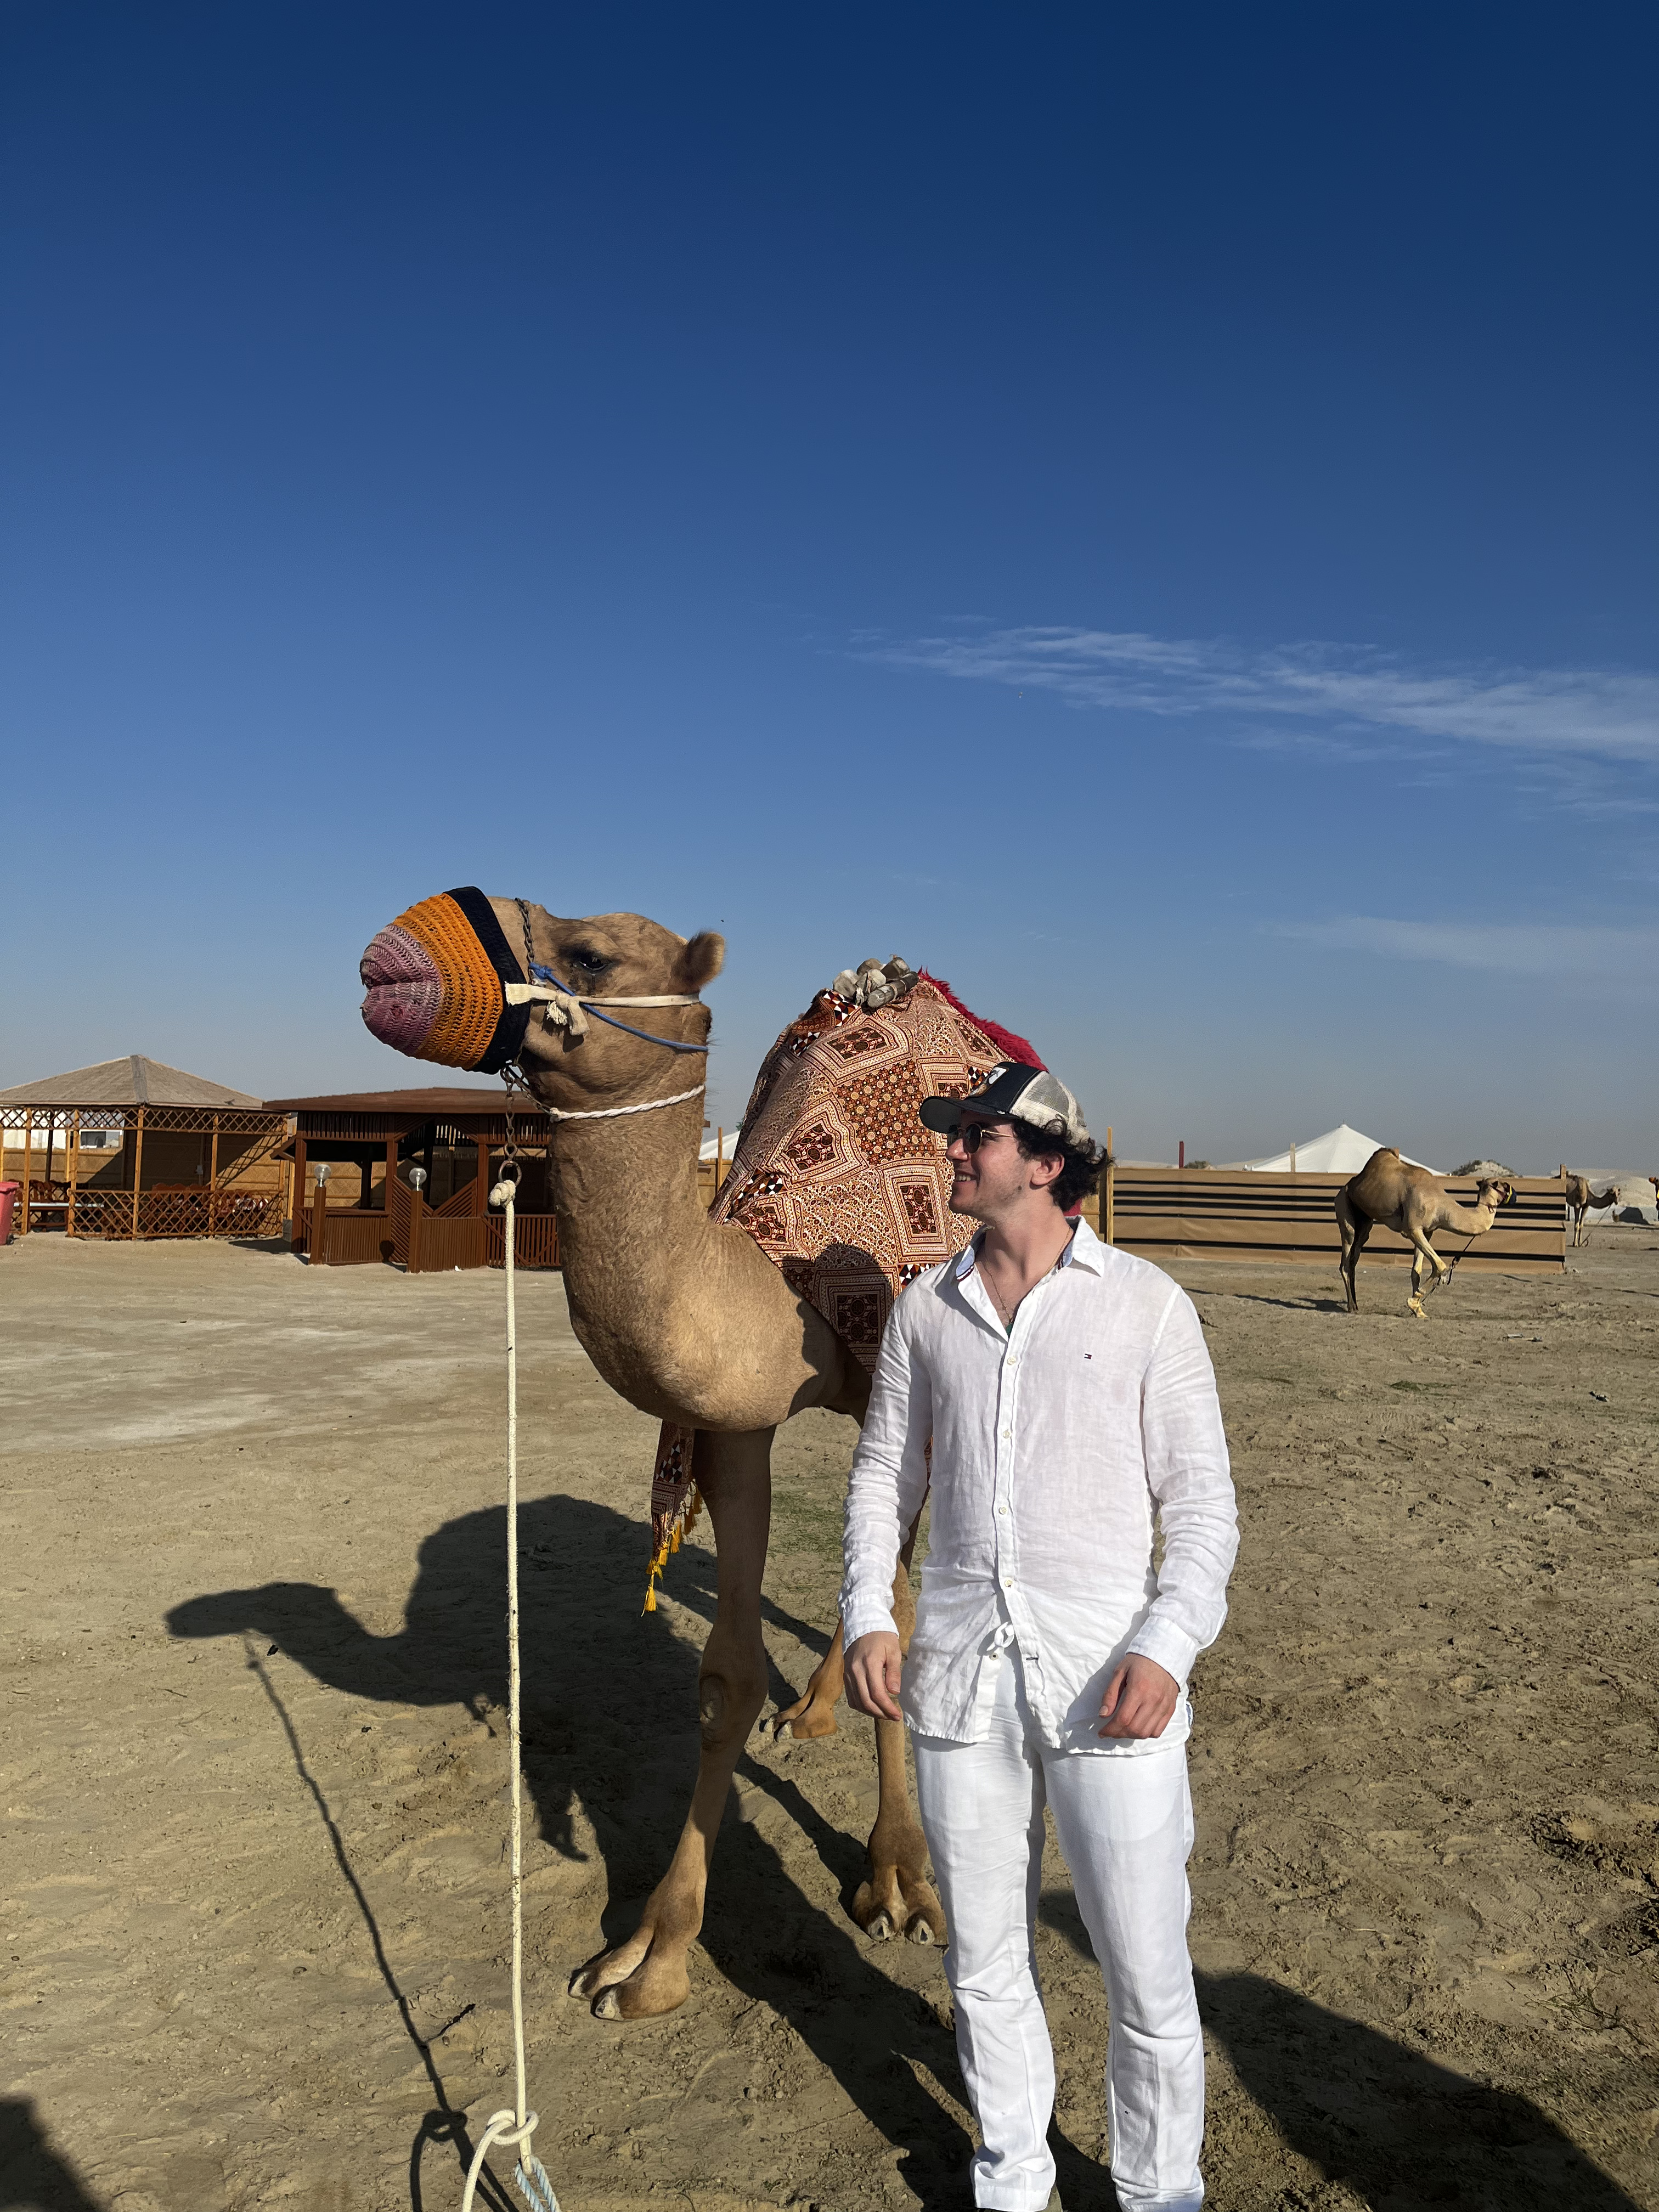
(1079, 1169)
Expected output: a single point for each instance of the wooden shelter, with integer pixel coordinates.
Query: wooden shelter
(453, 1137)
(132, 1148)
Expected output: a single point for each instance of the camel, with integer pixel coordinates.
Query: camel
(692, 1322)
(1580, 1200)
(1389, 1193)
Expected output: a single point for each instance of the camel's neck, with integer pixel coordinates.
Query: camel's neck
(1474, 1220)
(631, 1220)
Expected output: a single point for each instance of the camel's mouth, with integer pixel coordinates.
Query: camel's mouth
(405, 990)
(435, 984)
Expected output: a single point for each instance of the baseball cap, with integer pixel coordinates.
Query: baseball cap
(1015, 1093)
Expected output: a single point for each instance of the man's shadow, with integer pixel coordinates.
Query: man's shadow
(1398, 2130)
(610, 1710)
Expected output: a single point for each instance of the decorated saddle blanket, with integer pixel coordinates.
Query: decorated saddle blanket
(837, 1179)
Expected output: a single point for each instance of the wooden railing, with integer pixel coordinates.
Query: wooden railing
(537, 1244)
(356, 1236)
(423, 1241)
(193, 1212)
(438, 1245)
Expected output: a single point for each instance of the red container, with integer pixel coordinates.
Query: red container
(7, 1202)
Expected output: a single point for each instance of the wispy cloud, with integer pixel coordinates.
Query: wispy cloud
(1606, 714)
(1540, 949)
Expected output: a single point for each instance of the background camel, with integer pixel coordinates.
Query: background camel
(689, 1321)
(1581, 1198)
(1386, 1192)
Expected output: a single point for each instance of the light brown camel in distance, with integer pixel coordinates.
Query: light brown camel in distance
(1389, 1193)
(1580, 1200)
(690, 1322)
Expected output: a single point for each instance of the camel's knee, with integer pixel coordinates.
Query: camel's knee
(730, 1694)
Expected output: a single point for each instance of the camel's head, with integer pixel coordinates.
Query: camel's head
(446, 982)
(1489, 1191)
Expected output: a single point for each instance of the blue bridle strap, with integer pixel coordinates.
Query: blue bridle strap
(540, 974)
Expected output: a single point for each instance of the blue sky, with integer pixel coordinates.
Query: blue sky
(1147, 513)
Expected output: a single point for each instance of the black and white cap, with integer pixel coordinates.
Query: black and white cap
(1016, 1093)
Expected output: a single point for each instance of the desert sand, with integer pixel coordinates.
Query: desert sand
(253, 1673)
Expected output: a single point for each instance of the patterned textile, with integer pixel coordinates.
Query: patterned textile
(837, 1179)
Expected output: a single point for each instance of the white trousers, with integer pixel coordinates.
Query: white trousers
(1125, 1827)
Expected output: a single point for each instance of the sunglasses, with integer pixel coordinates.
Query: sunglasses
(970, 1135)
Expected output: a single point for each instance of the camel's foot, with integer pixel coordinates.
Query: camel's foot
(1415, 1305)
(812, 1714)
(898, 1899)
(636, 1980)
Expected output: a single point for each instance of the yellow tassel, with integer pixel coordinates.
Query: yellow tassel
(674, 1542)
(650, 1605)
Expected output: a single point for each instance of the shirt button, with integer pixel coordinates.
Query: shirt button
(1002, 1509)
(1007, 1581)
(1007, 1436)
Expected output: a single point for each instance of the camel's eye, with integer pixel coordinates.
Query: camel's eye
(586, 962)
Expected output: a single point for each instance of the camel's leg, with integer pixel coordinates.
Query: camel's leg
(813, 1712)
(1441, 1267)
(646, 1974)
(1354, 1228)
(1423, 1250)
(898, 1899)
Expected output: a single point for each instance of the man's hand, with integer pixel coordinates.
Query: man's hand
(1138, 1700)
(872, 1674)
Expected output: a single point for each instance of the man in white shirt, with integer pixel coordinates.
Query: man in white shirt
(1072, 1407)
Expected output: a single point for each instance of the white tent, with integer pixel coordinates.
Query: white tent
(728, 1141)
(1340, 1150)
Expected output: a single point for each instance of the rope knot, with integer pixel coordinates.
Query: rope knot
(530, 2175)
(562, 1009)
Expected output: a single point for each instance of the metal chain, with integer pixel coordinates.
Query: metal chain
(529, 955)
(513, 1079)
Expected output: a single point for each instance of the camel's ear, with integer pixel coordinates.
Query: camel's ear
(702, 960)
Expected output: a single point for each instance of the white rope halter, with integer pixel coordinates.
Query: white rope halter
(564, 1009)
(610, 1113)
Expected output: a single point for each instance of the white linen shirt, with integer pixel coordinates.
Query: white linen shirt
(1054, 1444)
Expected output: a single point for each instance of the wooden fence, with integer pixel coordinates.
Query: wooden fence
(189, 1212)
(1223, 1213)
(1160, 1213)
(422, 1240)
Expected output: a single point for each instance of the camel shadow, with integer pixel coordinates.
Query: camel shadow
(589, 1660)
(31, 2174)
(1402, 2133)
(1291, 1305)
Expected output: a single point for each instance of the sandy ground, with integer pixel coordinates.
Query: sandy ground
(255, 1894)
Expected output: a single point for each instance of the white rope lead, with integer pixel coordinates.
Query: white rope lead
(610, 1113)
(518, 2125)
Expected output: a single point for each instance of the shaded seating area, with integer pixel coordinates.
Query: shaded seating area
(131, 1148)
(404, 1176)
